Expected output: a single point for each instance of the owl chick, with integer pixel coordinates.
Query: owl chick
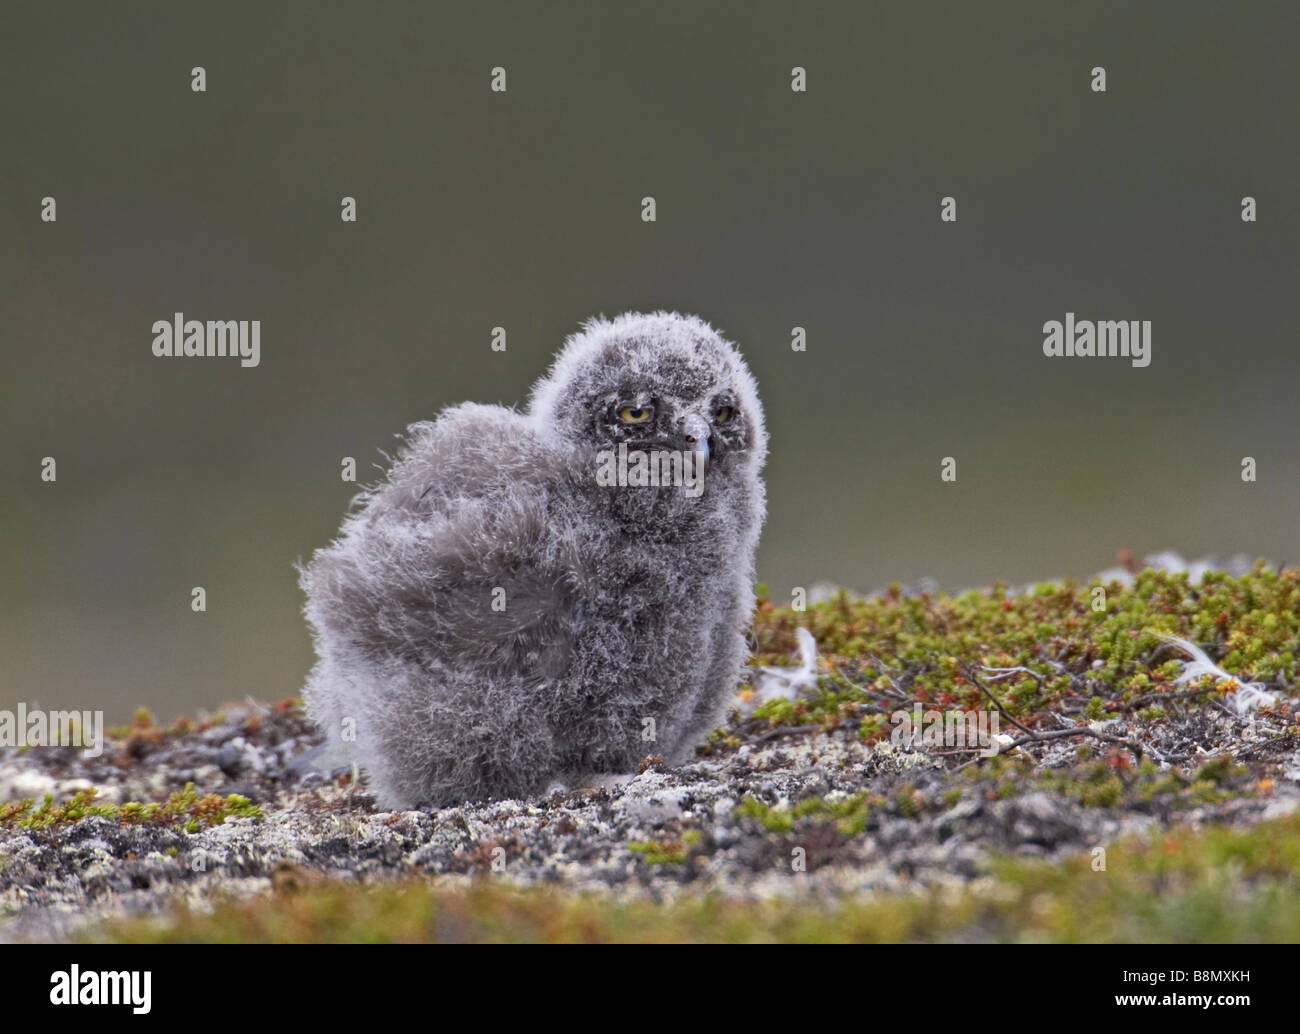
(518, 602)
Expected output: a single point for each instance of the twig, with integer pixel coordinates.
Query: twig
(1058, 734)
(885, 672)
(1186, 694)
(1003, 672)
(970, 674)
(788, 730)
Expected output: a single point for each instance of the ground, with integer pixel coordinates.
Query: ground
(1127, 803)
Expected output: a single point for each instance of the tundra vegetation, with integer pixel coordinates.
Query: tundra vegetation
(1131, 801)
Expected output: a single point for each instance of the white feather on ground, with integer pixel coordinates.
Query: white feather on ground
(787, 683)
(1249, 697)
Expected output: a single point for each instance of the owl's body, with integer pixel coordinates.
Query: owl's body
(495, 615)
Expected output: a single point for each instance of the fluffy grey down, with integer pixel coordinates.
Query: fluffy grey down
(622, 605)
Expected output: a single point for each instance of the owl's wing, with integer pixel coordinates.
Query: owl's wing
(458, 559)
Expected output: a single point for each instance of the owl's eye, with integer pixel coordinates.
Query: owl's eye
(635, 414)
(724, 414)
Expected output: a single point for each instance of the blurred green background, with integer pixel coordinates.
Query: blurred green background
(775, 209)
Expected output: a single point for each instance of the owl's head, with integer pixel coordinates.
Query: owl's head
(655, 381)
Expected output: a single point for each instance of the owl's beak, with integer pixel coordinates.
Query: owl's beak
(695, 433)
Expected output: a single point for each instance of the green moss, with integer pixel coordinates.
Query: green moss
(185, 808)
(774, 820)
(1220, 770)
(660, 852)
(909, 801)
(849, 814)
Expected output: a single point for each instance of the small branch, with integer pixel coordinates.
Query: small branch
(1188, 694)
(885, 671)
(970, 674)
(787, 730)
(1058, 734)
(1004, 672)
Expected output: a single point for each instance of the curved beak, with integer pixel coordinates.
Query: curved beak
(695, 433)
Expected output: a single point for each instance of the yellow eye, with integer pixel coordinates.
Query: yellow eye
(724, 414)
(635, 414)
